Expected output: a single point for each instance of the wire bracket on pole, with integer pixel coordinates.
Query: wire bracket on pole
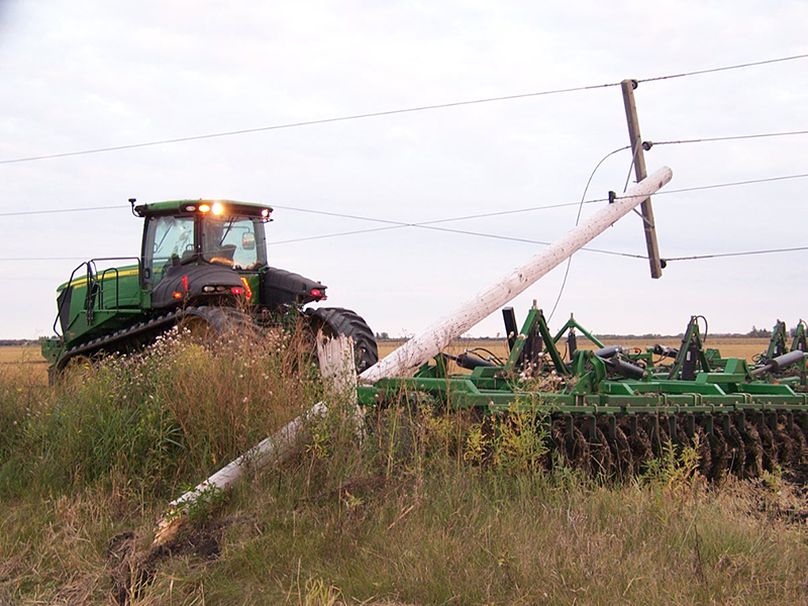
(640, 215)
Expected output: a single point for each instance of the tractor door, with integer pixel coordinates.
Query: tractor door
(166, 240)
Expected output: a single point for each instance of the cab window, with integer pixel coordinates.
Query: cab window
(230, 241)
(167, 237)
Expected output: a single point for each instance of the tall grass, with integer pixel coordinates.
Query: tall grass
(156, 419)
(424, 509)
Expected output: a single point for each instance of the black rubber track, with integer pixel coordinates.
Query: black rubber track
(141, 334)
(340, 321)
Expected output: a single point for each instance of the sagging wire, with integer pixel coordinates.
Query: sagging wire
(724, 68)
(390, 112)
(578, 219)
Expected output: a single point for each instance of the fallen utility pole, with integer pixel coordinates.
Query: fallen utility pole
(405, 360)
(410, 356)
(336, 357)
(647, 211)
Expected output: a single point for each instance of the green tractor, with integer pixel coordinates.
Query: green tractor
(202, 263)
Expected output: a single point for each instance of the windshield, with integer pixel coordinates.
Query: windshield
(231, 241)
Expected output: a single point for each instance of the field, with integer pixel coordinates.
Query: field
(26, 359)
(730, 347)
(29, 359)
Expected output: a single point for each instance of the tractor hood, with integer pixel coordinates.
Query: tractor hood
(197, 282)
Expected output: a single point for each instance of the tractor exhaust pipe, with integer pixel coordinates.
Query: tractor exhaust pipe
(405, 360)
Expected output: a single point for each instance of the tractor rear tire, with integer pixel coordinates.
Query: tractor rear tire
(338, 321)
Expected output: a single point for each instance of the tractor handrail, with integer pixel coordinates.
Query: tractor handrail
(62, 302)
(90, 265)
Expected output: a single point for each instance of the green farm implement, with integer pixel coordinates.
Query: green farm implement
(610, 409)
(607, 409)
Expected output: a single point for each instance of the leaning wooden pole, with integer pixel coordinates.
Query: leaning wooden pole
(410, 356)
(336, 358)
(405, 360)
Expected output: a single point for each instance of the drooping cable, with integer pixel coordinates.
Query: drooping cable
(346, 118)
(577, 220)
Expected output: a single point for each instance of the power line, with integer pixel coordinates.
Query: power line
(728, 184)
(450, 219)
(391, 112)
(485, 215)
(286, 125)
(53, 211)
(529, 241)
(743, 253)
(390, 224)
(329, 213)
(43, 258)
(651, 144)
(500, 213)
(428, 225)
(648, 144)
(446, 219)
(724, 68)
(578, 218)
(315, 211)
(339, 234)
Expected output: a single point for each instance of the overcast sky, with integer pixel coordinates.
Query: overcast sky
(83, 74)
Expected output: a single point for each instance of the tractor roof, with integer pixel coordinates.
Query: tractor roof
(188, 207)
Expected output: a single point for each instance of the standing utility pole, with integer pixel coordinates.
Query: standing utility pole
(651, 244)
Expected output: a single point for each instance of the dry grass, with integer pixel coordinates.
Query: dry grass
(27, 358)
(730, 347)
(400, 517)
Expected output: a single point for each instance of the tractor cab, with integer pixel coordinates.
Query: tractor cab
(229, 234)
(201, 250)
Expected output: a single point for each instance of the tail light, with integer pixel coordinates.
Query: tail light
(247, 289)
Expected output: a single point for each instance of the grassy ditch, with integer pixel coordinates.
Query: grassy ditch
(424, 509)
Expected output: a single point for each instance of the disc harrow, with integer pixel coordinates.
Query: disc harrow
(610, 411)
(621, 445)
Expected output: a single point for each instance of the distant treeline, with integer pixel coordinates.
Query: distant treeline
(17, 342)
